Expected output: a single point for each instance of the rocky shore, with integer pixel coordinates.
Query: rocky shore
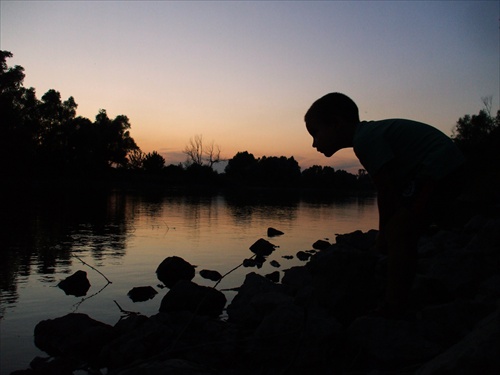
(312, 321)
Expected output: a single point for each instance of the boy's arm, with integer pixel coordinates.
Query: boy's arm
(386, 200)
(386, 192)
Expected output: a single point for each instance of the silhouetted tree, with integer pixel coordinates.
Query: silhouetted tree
(196, 174)
(318, 176)
(136, 159)
(194, 150)
(241, 167)
(278, 171)
(273, 171)
(365, 181)
(55, 121)
(175, 173)
(345, 181)
(199, 154)
(472, 133)
(45, 135)
(18, 132)
(114, 142)
(478, 136)
(212, 154)
(153, 162)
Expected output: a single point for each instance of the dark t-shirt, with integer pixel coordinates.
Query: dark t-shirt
(418, 150)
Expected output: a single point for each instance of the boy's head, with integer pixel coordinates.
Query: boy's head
(331, 122)
(330, 107)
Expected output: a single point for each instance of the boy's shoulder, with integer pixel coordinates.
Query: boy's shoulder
(395, 127)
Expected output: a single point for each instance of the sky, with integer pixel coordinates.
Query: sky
(242, 74)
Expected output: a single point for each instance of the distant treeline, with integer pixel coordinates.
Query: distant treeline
(244, 170)
(44, 139)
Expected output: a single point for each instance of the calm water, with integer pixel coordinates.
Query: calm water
(126, 236)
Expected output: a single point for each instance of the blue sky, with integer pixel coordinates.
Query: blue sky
(243, 73)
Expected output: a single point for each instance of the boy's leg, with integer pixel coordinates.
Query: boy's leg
(402, 232)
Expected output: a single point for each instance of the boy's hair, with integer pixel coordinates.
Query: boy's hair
(330, 106)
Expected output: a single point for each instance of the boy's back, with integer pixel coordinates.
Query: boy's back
(415, 149)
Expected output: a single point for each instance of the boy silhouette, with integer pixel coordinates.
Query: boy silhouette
(415, 168)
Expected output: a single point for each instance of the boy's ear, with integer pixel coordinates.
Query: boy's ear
(338, 123)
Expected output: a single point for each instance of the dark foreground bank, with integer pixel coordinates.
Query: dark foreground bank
(312, 321)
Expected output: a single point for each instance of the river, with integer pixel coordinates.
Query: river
(124, 236)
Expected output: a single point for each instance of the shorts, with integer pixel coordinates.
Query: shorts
(438, 199)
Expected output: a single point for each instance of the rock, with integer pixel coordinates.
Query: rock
(173, 269)
(188, 296)
(303, 256)
(253, 262)
(297, 277)
(142, 293)
(430, 291)
(262, 247)
(345, 281)
(277, 334)
(249, 262)
(256, 296)
(476, 353)
(273, 276)
(313, 322)
(358, 240)
(139, 338)
(167, 367)
(76, 284)
(322, 335)
(321, 245)
(475, 224)
(385, 343)
(275, 264)
(59, 366)
(457, 318)
(210, 275)
(271, 232)
(74, 336)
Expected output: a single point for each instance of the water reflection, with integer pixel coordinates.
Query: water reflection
(258, 204)
(44, 230)
(126, 236)
(40, 232)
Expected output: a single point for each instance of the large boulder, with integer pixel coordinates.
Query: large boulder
(173, 269)
(344, 281)
(139, 338)
(188, 296)
(74, 336)
(256, 298)
(387, 344)
(168, 366)
(476, 353)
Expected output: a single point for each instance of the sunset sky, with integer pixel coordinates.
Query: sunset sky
(243, 73)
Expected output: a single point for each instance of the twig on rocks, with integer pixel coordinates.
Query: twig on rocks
(95, 269)
(227, 273)
(77, 305)
(125, 312)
